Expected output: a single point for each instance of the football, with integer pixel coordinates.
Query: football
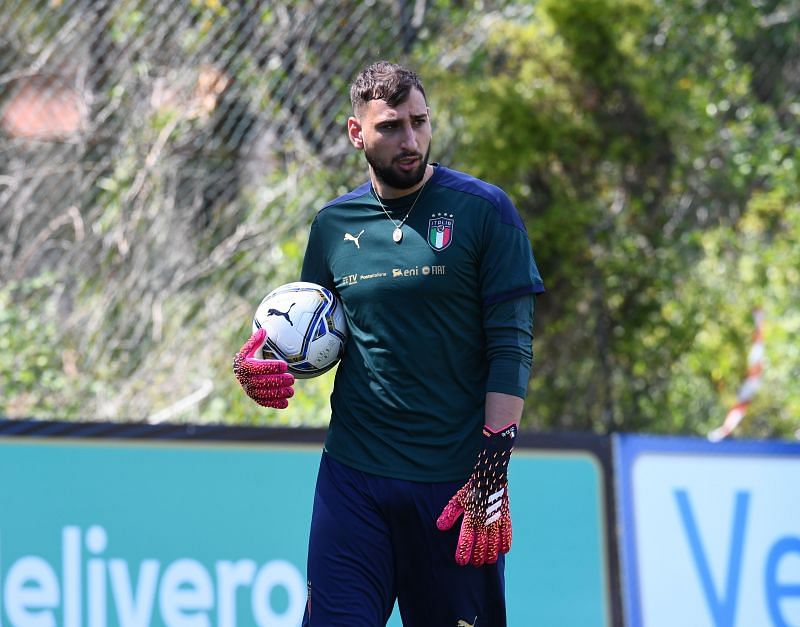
(305, 327)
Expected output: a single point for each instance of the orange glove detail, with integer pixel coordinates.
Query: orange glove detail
(266, 381)
(486, 527)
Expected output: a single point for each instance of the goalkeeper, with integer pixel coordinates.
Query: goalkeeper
(437, 278)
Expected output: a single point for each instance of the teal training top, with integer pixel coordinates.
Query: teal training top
(409, 394)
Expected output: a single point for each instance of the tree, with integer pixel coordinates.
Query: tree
(629, 143)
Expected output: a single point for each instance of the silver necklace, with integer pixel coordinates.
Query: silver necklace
(397, 234)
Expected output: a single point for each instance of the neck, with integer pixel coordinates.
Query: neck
(388, 192)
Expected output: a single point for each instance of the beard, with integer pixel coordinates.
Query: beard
(388, 175)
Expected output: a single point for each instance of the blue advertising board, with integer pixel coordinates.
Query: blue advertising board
(710, 532)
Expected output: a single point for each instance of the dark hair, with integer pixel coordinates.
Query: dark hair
(383, 81)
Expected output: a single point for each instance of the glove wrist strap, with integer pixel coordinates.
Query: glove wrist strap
(500, 440)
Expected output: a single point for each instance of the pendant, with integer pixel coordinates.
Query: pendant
(397, 236)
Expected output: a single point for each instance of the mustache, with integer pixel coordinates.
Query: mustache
(407, 155)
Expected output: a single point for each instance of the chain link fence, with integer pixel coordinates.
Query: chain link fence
(160, 162)
(152, 148)
(178, 109)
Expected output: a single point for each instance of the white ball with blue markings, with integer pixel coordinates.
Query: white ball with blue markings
(305, 327)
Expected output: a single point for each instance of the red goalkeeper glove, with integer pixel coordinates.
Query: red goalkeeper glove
(264, 380)
(486, 527)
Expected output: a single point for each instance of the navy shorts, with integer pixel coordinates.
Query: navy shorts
(374, 540)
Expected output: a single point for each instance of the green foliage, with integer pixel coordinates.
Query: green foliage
(630, 137)
(40, 371)
(652, 148)
(752, 265)
(27, 349)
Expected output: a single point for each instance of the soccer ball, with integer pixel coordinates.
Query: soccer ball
(305, 327)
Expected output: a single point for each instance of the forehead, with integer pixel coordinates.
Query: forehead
(414, 105)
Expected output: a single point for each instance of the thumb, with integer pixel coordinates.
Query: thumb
(253, 345)
(449, 515)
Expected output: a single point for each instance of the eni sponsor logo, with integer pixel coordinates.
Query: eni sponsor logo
(463, 623)
(418, 271)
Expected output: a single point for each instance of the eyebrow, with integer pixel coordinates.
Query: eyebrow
(413, 116)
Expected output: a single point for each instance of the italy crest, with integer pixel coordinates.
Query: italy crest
(440, 231)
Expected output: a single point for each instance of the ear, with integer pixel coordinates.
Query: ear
(354, 133)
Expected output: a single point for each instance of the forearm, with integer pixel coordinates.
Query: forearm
(502, 409)
(509, 350)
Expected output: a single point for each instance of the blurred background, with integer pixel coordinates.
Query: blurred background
(161, 162)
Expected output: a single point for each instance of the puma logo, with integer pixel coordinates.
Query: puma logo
(463, 623)
(353, 238)
(277, 312)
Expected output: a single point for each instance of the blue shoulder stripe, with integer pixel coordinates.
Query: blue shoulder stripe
(351, 195)
(461, 182)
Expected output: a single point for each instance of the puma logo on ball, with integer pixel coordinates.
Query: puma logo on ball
(285, 314)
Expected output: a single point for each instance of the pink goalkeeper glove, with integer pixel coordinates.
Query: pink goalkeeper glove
(486, 528)
(264, 380)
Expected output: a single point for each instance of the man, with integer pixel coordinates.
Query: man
(437, 279)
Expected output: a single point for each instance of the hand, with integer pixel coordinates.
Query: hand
(264, 380)
(486, 527)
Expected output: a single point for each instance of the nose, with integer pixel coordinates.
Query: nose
(409, 139)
